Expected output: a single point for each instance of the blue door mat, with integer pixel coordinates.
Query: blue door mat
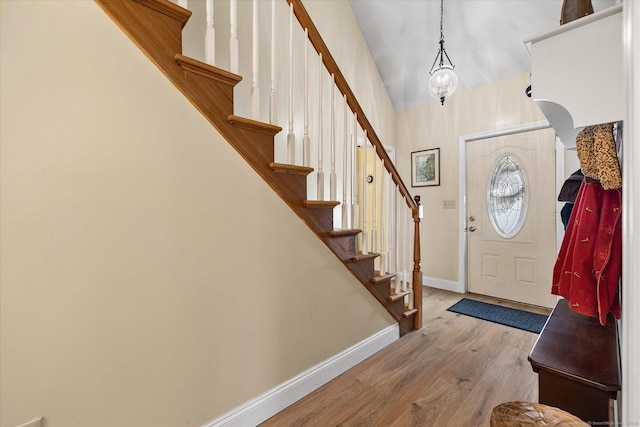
(520, 319)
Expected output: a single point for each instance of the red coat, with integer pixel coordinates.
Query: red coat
(589, 265)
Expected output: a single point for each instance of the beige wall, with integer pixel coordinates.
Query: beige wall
(148, 276)
(499, 105)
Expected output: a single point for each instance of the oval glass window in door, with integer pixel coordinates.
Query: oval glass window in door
(507, 197)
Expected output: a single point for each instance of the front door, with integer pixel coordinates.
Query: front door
(511, 216)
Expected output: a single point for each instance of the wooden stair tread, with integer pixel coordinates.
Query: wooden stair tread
(169, 9)
(345, 232)
(409, 313)
(251, 124)
(396, 297)
(361, 257)
(206, 70)
(383, 278)
(292, 169)
(320, 204)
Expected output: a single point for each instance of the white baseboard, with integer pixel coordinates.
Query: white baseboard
(447, 285)
(263, 407)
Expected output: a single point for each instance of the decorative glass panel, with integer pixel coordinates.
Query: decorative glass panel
(507, 197)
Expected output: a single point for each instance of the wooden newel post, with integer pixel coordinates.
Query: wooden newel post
(417, 274)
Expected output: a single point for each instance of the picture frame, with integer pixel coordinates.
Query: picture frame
(425, 168)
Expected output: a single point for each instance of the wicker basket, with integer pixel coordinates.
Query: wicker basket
(525, 414)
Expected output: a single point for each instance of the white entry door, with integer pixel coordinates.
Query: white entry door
(511, 216)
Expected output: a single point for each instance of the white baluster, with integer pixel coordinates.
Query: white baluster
(320, 186)
(404, 247)
(183, 3)
(272, 97)
(255, 88)
(291, 139)
(383, 240)
(365, 232)
(407, 253)
(409, 257)
(332, 176)
(355, 212)
(374, 212)
(306, 141)
(398, 229)
(391, 229)
(233, 37)
(388, 224)
(346, 212)
(209, 35)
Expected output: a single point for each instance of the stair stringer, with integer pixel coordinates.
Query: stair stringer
(155, 26)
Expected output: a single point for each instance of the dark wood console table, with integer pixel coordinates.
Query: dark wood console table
(577, 362)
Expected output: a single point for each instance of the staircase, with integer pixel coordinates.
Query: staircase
(155, 26)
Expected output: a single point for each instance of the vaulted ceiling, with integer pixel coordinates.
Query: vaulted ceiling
(483, 38)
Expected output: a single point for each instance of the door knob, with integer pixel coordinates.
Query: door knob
(472, 228)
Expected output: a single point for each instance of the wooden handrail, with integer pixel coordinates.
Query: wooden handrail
(332, 67)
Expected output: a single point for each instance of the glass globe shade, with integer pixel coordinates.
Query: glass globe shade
(443, 83)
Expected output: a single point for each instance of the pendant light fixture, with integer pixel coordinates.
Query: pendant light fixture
(443, 81)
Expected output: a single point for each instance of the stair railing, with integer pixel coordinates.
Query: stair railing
(373, 197)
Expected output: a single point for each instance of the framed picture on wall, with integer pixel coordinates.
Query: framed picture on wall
(425, 168)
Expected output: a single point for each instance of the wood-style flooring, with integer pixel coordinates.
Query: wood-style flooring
(452, 372)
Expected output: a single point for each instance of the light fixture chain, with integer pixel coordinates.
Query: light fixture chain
(441, 20)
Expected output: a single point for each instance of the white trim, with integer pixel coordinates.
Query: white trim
(462, 185)
(266, 405)
(585, 20)
(447, 285)
(630, 333)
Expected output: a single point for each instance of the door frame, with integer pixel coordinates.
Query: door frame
(463, 282)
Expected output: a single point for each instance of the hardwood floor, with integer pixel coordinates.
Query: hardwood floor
(450, 373)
